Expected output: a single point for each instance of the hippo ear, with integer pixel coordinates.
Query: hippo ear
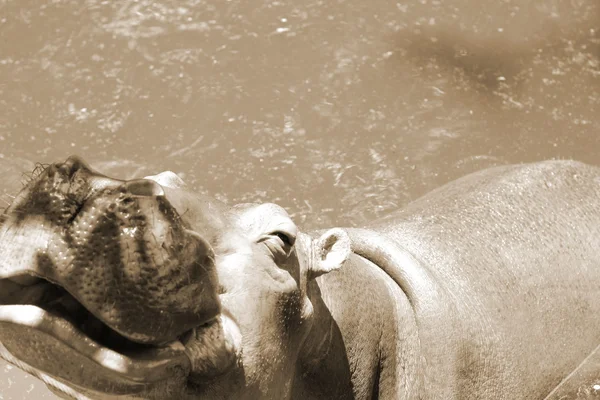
(332, 249)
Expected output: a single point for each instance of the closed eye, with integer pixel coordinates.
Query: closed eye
(284, 238)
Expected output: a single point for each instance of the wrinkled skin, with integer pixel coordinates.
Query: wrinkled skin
(485, 288)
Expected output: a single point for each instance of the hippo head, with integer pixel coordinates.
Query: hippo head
(142, 289)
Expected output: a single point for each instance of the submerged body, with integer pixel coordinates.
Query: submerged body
(486, 288)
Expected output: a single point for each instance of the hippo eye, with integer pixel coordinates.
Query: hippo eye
(286, 239)
(279, 243)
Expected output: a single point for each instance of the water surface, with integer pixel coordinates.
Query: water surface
(340, 111)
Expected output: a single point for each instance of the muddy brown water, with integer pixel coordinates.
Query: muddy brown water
(340, 111)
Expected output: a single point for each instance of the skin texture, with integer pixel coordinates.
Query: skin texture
(511, 305)
(485, 288)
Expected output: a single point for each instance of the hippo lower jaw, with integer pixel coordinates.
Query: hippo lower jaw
(54, 336)
(48, 331)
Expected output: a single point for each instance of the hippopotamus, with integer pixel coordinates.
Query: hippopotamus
(486, 288)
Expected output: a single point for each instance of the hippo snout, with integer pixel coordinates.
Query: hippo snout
(115, 253)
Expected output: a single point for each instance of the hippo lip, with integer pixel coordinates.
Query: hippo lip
(48, 310)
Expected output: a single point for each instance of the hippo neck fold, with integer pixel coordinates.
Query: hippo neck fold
(410, 274)
(430, 308)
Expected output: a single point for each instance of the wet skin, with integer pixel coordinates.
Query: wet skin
(485, 288)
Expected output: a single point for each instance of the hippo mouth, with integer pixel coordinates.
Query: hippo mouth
(57, 328)
(104, 285)
(54, 302)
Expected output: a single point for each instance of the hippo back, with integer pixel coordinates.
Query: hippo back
(516, 251)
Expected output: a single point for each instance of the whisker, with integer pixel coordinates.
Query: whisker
(38, 169)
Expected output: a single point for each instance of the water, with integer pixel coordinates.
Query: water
(340, 111)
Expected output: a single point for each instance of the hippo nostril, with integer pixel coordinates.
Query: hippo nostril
(72, 165)
(144, 187)
(52, 169)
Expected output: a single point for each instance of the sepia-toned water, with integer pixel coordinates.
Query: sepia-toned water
(340, 111)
